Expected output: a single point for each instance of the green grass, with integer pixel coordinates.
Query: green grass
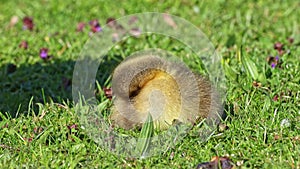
(36, 106)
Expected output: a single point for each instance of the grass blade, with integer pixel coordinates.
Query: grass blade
(145, 137)
(249, 65)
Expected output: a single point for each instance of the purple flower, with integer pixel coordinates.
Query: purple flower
(274, 61)
(95, 26)
(96, 29)
(44, 53)
(28, 23)
(273, 64)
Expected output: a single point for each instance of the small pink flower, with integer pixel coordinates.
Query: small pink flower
(80, 26)
(108, 92)
(111, 22)
(136, 32)
(23, 45)
(28, 23)
(279, 47)
(73, 126)
(28, 139)
(275, 98)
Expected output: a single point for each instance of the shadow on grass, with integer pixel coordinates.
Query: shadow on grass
(43, 81)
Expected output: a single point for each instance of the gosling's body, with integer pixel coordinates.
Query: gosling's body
(166, 89)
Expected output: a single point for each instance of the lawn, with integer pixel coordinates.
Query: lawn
(259, 45)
